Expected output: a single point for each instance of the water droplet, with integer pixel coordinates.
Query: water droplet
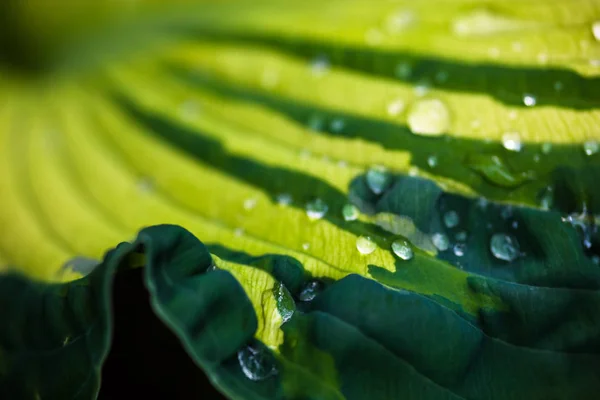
(337, 125)
(395, 108)
(429, 117)
(342, 163)
(536, 158)
(596, 259)
(504, 247)
(212, 267)
(432, 161)
(422, 88)
(350, 212)
(547, 198)
(451, 219)
(591, 147)
(257, 362)
(459, 249)
(506, 212)
(145, 185)
(316, 123)
(515, 224)
(310, 291)
(365, 245)
(238, 231)
(399, 21)
(512, 141)
(249, 204)
(320, 66)
(378, 179)
(403, 70)
(493, 169)
(529, 100)
(285, 302)
(403, 249)
(441, 76)
(316, 209)
(596, 30)
(440, 241)
(546, 148)
(284, 199)
(461, 236)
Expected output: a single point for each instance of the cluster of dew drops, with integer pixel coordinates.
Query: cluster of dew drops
(429, 117)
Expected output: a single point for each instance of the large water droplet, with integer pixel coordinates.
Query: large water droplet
(504, 247)
(591, 147)
(596, 30)
(285, 302)
(428, 117)
(350, 212)
(529, 100)
(440, 241)
(493, 169)
(310, 291)
(403, 249)
(257, 362)
(316, 209)
(378, 179)
(365, 245)
(512, 141)
(451, 219)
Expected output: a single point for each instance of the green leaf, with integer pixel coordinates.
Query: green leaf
(300, 146)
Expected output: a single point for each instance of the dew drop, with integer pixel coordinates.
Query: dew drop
(432, 161)
(451, 219)
(257, 363)
(429, 117)
(459, 249)
(350, 212)
(558, 86)
(310, 290)
(365, 245)
(305, 246)
(378, 179)
(512, 141)
(591, 147)
(249, 204)
(284, 199)
(145, 185)
(596, 30)
(400, 21)
(316, 209)
(320, 66)
(441, 76)
(337, 125)
(440, 241)
(504, 247)
(421, 89)
(285, 303)
(316, 123)
(403, 249)
(547, 198)
(403, 70)
(529, 100)
(395, 108)
(461, 236)
(238, 231)
(546, 147)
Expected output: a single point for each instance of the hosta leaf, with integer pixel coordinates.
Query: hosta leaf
(399, 199)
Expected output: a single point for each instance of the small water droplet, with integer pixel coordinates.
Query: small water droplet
(365, 245)
(459, 249)
(395, 108)
(461, 236)
(257, 362)
(305, 246)
(529, 100)
(512, 141)
(440, 241)
(316, 209)
(350, 212)
(441, 76)
(504, 247)
(316, 123)
(378, 179)
(429, 117)
(320, 66)
(284, 199)
(238, 231)
(547, 198)
(403, 70)
(515, 224)
(451, 219)
(337, 125)
(249, 204)
(546, 147)
(506, 212)
(591, 147)
(403, 249)
(536, 158)
(145, 185)
(310, 290)
(432, 161)
(285, 303)
(596, 30)
(422, 88)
